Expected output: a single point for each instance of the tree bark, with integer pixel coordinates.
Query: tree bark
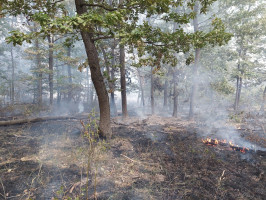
(39, 67)
(39, 119)
(113, 105)
(152, 92)
(12, 92)
(96, 75)
(51, 68)
(238, 86)
(123, 80)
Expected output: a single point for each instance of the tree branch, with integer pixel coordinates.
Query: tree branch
(102, 37)
(100, 6)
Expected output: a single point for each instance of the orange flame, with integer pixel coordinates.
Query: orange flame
(234, 147)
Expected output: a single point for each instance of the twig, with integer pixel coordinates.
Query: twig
(137, 161)
(222, 176)
(3, 189)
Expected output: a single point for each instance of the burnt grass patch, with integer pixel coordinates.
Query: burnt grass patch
(143, 160)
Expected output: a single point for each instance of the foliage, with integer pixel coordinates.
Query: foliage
(122, 21)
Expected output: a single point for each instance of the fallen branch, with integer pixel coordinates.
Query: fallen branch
(39, 119)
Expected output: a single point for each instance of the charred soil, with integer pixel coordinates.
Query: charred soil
(152, 158)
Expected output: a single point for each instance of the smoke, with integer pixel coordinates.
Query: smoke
(80, 107)
(214, 111)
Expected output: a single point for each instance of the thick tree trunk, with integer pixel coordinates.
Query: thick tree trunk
(69, 73)
(123, 80)
(96, 76)
(262, 108)
(152, 92)
(39, 119)
(51, 68)
(175, 99)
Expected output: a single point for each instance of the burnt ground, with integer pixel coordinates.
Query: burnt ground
(154, 158)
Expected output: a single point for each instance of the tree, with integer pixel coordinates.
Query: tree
(123, 80)
(246, 22)
(196, 63)
(50, 39)
(91, 15)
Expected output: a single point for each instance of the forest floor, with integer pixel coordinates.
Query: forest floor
(151, 158)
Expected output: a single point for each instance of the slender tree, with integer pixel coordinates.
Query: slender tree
(51, 67)
(196, 64)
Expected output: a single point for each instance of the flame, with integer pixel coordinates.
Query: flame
(214, 142)
(210, 141)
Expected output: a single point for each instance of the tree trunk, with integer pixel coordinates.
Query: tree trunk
(175, 99)
(239, 92)
(263, 100)
(141, 83)
(152, 92)
(69, 76)
(39, 119)
(58, 89)
(113, 105)
(96, 76)
(123, 80)
(12, 92)
(238, 87)
(165, 93)
(51, 68)
(196, 65)
(110, 80)
(39, 67)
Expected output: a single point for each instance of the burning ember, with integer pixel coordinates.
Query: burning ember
(215, 142)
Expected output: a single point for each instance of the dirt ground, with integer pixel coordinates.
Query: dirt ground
(152, 158)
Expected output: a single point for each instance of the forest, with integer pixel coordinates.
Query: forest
(132, 99)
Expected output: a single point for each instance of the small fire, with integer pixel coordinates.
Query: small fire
(210, 141)
(237, 148)
(215, 142)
